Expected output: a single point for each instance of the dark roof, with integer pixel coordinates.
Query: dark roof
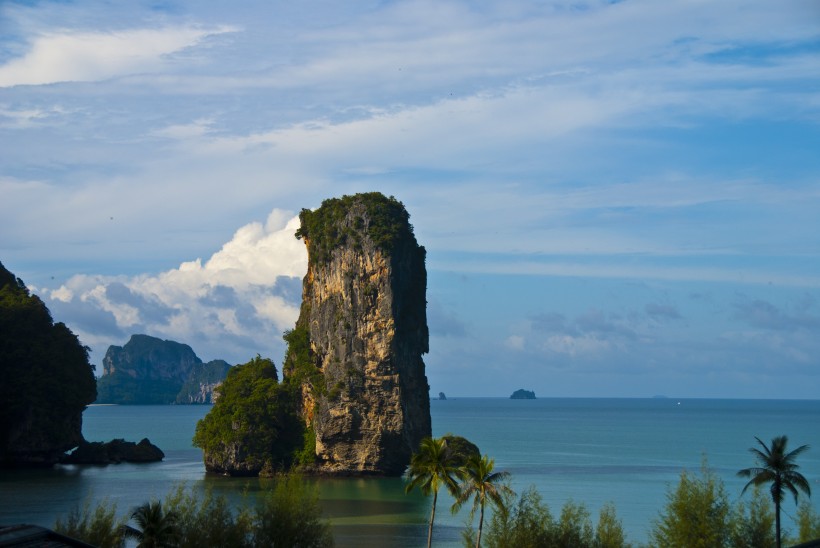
(34, 536)
(810, 544)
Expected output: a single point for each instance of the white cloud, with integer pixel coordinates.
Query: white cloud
(515, 342)
(234, 305)
(71, 56)
(630, 140)
(21, 118)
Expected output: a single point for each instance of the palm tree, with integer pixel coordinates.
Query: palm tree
(157, 529)
(481, 484)
(777, 467)
(430, 468)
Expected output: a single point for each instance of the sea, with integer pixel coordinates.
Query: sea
(628, 452)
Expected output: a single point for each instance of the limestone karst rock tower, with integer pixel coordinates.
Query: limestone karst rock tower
(358, 343)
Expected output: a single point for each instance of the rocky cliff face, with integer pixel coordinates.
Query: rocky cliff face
(148, 370)
(203, 381)
(145, 357)
(364, 313)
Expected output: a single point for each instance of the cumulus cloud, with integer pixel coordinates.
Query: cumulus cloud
(231, 306)
(71, 56)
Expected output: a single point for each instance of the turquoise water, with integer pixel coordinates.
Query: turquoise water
(625, 451)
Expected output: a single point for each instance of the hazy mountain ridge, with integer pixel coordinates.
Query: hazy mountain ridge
(149, 370)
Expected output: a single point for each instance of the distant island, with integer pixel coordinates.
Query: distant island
(523, 395)
(441, 396)
(148, 370)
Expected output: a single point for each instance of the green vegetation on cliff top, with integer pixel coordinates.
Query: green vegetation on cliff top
(383, 220)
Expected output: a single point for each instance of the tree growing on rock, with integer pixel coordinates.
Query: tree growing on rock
(253, 427)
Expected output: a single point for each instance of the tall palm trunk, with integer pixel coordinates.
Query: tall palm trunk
(776, 521)
(432, 518)
(480, 525)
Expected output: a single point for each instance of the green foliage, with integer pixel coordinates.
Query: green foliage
(98, 527)
(528, 523)
(290, 515)
(307, 454)
(610, 532)
(484, 485)
(47, 379)
(256, 413)
(461, 449)
(696, 514)
(808, 523)
(209, 521)
(156, 527)
(575, 526)
(753, 523)
(299, 366)
(351, 220)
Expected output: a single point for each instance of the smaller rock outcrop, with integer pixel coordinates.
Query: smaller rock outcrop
(441, 396)
(523, 395)
(114, 452)
(253, 428)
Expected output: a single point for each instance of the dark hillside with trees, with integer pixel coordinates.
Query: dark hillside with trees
(46, 380)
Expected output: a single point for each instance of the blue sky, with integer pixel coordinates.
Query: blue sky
(617, 198)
